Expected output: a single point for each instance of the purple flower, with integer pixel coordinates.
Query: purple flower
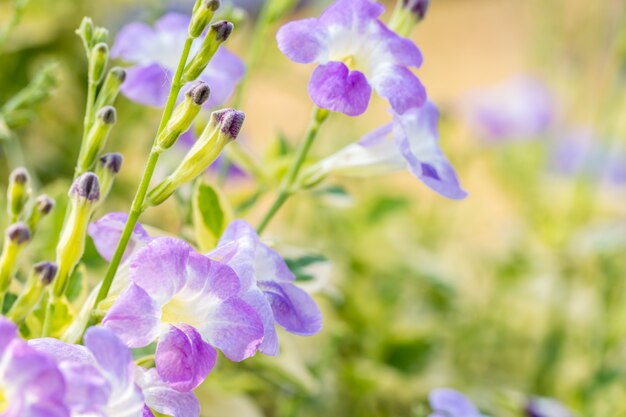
(106, 233)
(411, 141)
(355, 52)
(519, 108)
(155, 53)
(103, 380)
(267, 284)
(546, 407)
(189, 303)
(446, 402)
(31, 384)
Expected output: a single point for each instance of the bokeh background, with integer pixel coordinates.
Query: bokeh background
(517, 291)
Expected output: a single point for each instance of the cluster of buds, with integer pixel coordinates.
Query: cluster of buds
(25, 216)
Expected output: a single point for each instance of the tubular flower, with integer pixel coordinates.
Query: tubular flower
(190, 304)
(355, 52)
(155, 52)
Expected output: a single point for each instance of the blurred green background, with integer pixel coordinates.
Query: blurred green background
(516, 291)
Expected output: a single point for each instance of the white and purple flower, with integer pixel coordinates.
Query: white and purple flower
(410, 141)
(31, 385)
(155, 53)
(102, 379)
(267, 284)
(447, 402)
(355, 52)
(190, 304)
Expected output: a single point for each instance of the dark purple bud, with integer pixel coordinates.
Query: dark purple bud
(229, 121)
(417, 7)
(222, 29)
(19, 176)
(199, 92)
(86, 186)
(212, 5)
(46, 271)
(112, 162)
(44, 204)
(18, 233)
(119, 73)
(107, 115)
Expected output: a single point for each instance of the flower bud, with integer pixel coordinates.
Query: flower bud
(18, 192)
(100, 35)
(417, 7)
(202, 14)
(98, 59)
(220, 131)
(106, 169)
(84, 193)
(43, 206)
(16, 238)
(407, 14)
(218, 33)
(183, 115)
(40, 277)
(96, 138)
(111, 87)
(85, 32)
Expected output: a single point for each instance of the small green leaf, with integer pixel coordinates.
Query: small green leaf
(300, 266)
(211, 214)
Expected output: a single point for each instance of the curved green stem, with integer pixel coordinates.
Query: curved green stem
(137, 206)
(286, 187)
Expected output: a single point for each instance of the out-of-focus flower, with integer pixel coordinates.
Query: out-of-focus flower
(106, 233)
(267, 284)
(155, 53)
(519, 108)
(411, 141)
(355, 52)
(30, 382)
(447, 402)
(189, 303)
(546, 407)
(581, 153)
(102, 379)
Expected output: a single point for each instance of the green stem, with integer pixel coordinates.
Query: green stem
(88, 121)
(137, 206)
(286, 187)
(47, 321)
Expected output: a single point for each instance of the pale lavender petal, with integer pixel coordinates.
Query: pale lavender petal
(224, 72)
(258, 301)
(8, 332)
(134, 317)
(303, 41)
(402, 50)
(546, 407)
(147, 84)
(400, 86)
(183, 359)
(106, 233)
(147, 412)
(351, 13)
(62, 352)
(207, 277)
(172, 22)
(160, 268)
(112, 355)
(270, 266)
(164, 399)
(451, 402)
(293, 308)
(131, 42)
(334, 87)
(234, 328)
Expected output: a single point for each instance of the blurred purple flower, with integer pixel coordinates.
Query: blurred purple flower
(580, 152)
(189, 303)
(106, 233)
(155, 53)
(546, 407)
(355, 52)
(102, 379)
(267, 284)
(411, 141)
(446, 402)
(519, 108)
(30, 382)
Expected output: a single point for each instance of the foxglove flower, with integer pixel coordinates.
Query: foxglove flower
(446, 402)
(31, 384)
(355, 52)
(155, 53)
(267, 284)
(519, 108)
(410, 141)
(189, 303)
(102, 379)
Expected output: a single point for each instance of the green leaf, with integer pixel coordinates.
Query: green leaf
(211, 214)
(301, 266)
